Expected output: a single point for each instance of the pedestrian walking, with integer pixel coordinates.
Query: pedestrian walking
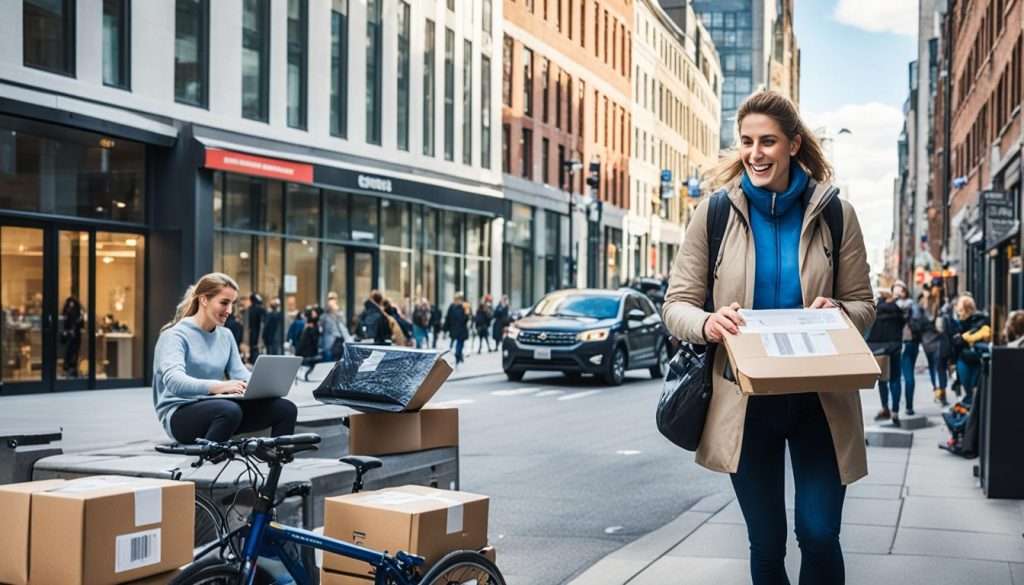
(308, 347)
(886, 339)
(399, 329)
(333, 332)
(295, 331)
(482, 323)
(501, 321)
(372, 322)
(775, 184)
(456, 324)
(436, 324)
(421, 323)
(916, 323)
(971, 330)
(273, 325)
(257, 312)
(192, 355)
(935, 341)
(235, 327)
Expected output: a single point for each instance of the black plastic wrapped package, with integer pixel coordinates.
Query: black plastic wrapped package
(383, 378)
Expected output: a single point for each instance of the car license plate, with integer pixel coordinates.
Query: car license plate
(542, 354)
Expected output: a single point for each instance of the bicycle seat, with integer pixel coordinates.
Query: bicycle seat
(362, 463)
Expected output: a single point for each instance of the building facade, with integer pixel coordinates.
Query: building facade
(565, 124)
(982, 141)
(676, 87)
(302, 147)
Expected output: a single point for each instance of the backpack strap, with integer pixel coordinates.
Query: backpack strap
(719, 209)
(834, 219)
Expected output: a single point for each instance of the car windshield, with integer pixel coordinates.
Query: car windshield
(578, 305)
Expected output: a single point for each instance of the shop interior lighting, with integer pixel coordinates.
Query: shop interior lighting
(243, 255)
(120, 204)
(131, 242)
(107, 259)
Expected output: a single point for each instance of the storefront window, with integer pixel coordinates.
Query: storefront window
(73, 353)
(451, 232)
(21, 298)
(613, 242)
(336, 210)
(50, 169)
(303, 211)
(301, 271)
(249, 204)
(120, 274)
(233, 256)
(396, 277)
(364, 219)
(519, 255)
(395, 224)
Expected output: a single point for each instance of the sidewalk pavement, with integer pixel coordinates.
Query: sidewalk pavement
(918, 518)
(92, 419)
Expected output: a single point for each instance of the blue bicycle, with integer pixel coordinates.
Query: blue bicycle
(260, 537)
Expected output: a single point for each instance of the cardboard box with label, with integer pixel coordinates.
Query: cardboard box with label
(16, 512)
(384, 433)
(787, 351)
(384, 378)
(110, 529)
(419, 520)
(332, 578)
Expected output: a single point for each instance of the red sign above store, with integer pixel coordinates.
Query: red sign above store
(271, 168)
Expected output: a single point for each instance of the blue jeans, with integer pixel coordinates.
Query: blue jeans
(420, 335)
(760, 488)
(458, 343)
(936, 369)
(907, 362)
(891, 387)
(968, 374)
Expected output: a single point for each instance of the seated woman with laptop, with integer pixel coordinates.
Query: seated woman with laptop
(194, 355)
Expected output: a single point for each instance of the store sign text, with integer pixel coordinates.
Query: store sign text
(374, 183)
(248, 164)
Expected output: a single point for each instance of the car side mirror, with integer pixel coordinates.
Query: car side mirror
(635, 315)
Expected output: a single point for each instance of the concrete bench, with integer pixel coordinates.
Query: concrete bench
(20, 448)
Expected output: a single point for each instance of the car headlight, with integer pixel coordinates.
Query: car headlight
(594, 335)
(512, 331)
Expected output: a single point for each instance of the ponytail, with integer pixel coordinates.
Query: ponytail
(208, 286)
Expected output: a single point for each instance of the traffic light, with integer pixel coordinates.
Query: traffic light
(594, 177)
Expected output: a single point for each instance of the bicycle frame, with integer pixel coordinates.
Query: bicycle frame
(266, 539)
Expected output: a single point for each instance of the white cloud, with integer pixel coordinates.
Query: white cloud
(892, 16)
(866, 164)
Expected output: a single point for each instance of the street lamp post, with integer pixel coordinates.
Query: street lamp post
(569, 168)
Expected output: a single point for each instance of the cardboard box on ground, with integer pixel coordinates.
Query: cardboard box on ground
(420, 520)
(800, 350)
(101, 530)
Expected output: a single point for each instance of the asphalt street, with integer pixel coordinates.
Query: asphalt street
(574, 470)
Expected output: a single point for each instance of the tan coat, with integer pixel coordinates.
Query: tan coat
(684, 315)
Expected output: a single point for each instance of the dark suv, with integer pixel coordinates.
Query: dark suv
(587, 331)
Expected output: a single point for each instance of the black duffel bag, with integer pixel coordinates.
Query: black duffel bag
(685, 396)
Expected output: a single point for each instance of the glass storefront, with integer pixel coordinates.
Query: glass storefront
(519, 255)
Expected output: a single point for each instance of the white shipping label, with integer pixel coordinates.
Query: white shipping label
(139, 549)
(455, 515)
(798, 344)
(371, 362)
(394, 499)
(792, 320)
(148, 506)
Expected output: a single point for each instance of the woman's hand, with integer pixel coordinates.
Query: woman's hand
(823, 303)
(228, 387)
(725, 320)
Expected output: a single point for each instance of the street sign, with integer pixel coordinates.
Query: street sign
(999, 215)
(668, 189)
(693, 187)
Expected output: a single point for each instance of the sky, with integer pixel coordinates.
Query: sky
(855, 56)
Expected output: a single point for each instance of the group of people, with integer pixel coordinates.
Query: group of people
(952, 334)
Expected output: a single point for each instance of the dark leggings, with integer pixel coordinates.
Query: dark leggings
(219, 419)
(760, 488)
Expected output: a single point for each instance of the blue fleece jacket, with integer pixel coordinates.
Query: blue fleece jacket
(776, 219)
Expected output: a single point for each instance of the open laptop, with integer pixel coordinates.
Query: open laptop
(272, 377)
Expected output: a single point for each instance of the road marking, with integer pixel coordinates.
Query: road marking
(549, 393)
(627, 452)
(580, 395)
(456, 402)
(612, 529)
(515, 392)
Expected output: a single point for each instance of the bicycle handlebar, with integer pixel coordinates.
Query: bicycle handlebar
(251, 446)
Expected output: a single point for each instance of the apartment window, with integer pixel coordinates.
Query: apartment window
(467, 102)
(48, 35)
(526, 150)
(339, 68)
(545, 172)
(451, 5)
(506, 71)
(581, 95)
(429, 87)
(374, 63)
(572, 9)
(116, 43)
(561, 166)
(544, 93)
(486, 14)
(558, 15)
(485, 111)
(298, 25)
(605, 39)
(403, 75)
(449, 94)
(527, 81)
(597, 29)
(506, 149)
(255, 58)
(568, 104)
(191, 54)
(558, 101)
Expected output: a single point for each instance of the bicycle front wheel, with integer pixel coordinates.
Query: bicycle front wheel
(464, 567)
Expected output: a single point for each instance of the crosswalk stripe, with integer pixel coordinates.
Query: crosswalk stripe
(580, 395)
(549, 393)
(515, 392)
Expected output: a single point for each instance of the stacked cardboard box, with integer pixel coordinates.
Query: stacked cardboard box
(99, 530)
(419, 520)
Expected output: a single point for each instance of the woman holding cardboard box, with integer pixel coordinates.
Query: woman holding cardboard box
(776, 253)
(192, 356)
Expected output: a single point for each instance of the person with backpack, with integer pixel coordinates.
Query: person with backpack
(970, 331)
(502, 317)
(776, 237)
(456, 323)
(935, 342)
(435, 325)
(309, 341)
(421, 323)
(373, 324)
(885, 338)
(917, 323)
(482, 322)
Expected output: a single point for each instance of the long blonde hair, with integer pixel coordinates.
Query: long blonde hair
(779, 108)
(208, 286)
